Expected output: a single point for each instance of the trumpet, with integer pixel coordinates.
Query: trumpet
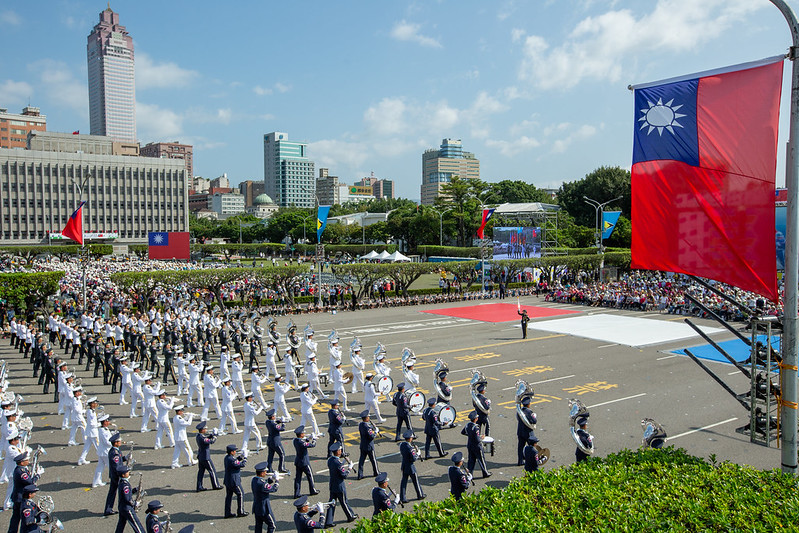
(129, 457)
(322, 507)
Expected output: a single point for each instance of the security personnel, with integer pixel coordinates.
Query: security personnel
(368, 433)
(22, 478)
(232, 481)
(115, 461)
(380, 496)
(335, 420)
(586, 439)
(409, 456)
(127, 508)
(485, 403)
(261, 508)
(204, 462)
(151, 522)
(531, 454)
(302, 463)
(400, 401)
(459, 477)
(274, 442)
(431, 429)
(302, 516)
(338, 473)
(523, 432)
(474, 445)
(30, 514)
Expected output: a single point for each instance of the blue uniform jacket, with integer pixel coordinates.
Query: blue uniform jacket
(367, 436)
(261, 489)
(233, 471)
(204, 441)
(301, 447)
(338, 473)
(408, 458)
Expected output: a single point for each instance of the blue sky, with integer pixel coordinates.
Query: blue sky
(536, 89)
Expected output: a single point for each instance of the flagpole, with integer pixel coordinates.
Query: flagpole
(788, 368)
(82, 254)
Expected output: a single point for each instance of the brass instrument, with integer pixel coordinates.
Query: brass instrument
(375, 429)
(25, 426)
(478, 379)
(416, 451)
(353, 345)
(578, 410)
(308, 331)
(8, 397)
(291, 335)
(129, 457)
(654, 434)
(333, 337)
(441, 367)
(523, 390)
(34, 464)
(46, 507)
(17, 401)
(139, 494)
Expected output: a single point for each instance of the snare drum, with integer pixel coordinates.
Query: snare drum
(488, 442)
(384, 385)
(417, 402)
(445, 413)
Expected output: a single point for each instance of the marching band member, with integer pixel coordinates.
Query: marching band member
(335, 353)
(531, 454)
(459, 479)
(281, 388)
(115, 461)
(103, 447)
(310, 344)
(410, 454)
(181, 423)
(154, 525)
(236, 371)
(291, 374)
(482, 415)
(302, 516)
(211, 383)
(255, 347)
(432, 425)
(370, 396)
(30, 514)
(78, 415)
(335, 421)
(443, 391)
(195, 369)
(127, 509)
(228, 395)
(204, 441)
(585, 438)
(475, 445)
(251, 410)
(66, 394)
(411, 377)
(256, 382)
(127, 383)
(261, 508)
(312, 371)
(13, 449)
(368, 434)
(271, 356)
(90, 434)
(523, 432)
(149, 408)
(381, 367)
(164, 406)
(136, 395)
(307, 401)
(182, 359)
(274, 443)
(380, 496)
(23, 478)
(338, 473)
(403, 410)
(357, 368)
(224, 359)
(232, 482)
(302, 463)
(338, 383)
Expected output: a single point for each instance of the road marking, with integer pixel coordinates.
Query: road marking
(617, 400)
(733, 373)
(485, 366)
(666, 357)
(607, 345)
(384, 333)
(553, 336)
(702, 428)
(544, 381)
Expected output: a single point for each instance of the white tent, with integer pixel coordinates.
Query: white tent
(371, 255)
(383, 256)
(397, 257)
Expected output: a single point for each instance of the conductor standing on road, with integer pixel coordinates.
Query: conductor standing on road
(525, 320)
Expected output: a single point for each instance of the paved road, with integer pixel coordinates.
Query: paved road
(620, 384)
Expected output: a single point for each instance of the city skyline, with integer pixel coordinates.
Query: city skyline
(371, 87)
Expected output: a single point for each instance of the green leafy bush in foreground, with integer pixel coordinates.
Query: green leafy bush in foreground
(644, 490)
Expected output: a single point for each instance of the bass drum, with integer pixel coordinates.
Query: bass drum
(417, 402)
(384, 385)
(445, 413)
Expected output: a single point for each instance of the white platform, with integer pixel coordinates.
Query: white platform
(627, 330)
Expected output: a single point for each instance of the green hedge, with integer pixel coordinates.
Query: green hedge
(60, 250)
(448, 251)
(354, 250)
(586, 251)
(645, 490)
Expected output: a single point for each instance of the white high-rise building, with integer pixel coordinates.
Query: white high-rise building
(288, 173)
(112, 90)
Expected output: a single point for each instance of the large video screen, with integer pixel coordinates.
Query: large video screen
(517, 242)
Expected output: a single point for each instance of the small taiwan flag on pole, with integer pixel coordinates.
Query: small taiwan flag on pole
(74, 228)
(518, 304)
(486, 217)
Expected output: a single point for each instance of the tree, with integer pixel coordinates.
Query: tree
(29, 290)
(414, 225)
(603, 184)
(514, 191)
(377, 232)
(289, 221)
(464, 197)
(622, 235)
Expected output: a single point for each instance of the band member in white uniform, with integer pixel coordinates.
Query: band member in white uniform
(149, 410)
(271, 357)
(236, 371)
(251, 410)
(195, 369)
(281, 388)
(338, 384)
(182, 422)
(411, 377)
(224, 359)
(103, 447)
(291, 374)
(256, 382)
(90, 434)
(211, 383)
(335, 353)
(357, 368)
(78, 415)
(182, 359)
(228, 395)
(370, 396)
(164, 406)
(307, 401)
(136, 395)
(312, 371)
(381, 367)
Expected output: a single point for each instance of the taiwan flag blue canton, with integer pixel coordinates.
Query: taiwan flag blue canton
(158, 238)
(169, 245)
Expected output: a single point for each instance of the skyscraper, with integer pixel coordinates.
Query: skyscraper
(288, 173)
(112, 91)
(438, 167)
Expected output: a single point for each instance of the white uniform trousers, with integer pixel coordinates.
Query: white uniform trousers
(185, 447)
(251, 430)
(196, 390)
(102, 466)
(228, 417)
(211, 402)
(89, 442)
(148, 414)
(280, 407)
(309, 420)
(164, 429)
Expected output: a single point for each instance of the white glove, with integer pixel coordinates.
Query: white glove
(469, 477)
(320, 507)
(39, 470)
(396, 499)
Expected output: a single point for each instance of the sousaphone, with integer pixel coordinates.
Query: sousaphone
(478, 379)
(440, 368)
(654, 434)
(578, 410)
(357, 363)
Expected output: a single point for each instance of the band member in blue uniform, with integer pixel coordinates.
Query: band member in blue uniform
(127, 506)
(115, 461)
(232, 482)
(152, 523)
(410, 454)
(523, 431)
(30, 514)
(586, 439)
(459, 477)
(335, 420)
(381, 498)
(339, 470)
(22, 477)
(474, 445)
(482, 409)
(262, 487)
(531, 454)
(400, 401)
(274, 443)
(302, 517)
(368, 433)
(431, 429)
(204, 462)
(302, 462)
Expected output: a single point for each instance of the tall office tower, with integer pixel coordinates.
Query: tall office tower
(288, 173)
(112, 91)
(438, 167)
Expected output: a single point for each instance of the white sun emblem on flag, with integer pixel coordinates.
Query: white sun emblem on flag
(661, 116)
(158, 238)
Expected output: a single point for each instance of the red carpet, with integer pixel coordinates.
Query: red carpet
(498, 312)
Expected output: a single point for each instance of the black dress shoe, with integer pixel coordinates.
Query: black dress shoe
(230, 516)
(314, 492)
(354, 517)
(109, 513)
(359, 478)
(243, 513)
(487, 474)
(283, 471)
(444, 454)
(426, 458)
(201, 489)
(217, 488)
(423, 496)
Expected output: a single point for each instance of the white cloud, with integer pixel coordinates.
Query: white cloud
(387, 117)
(224, 115)
(335, 154)
(15, 92)
(599, 46)
(511, 148)
(485, 104)
(266, 91)
(261, 91)
(9, 17)
(581, 133)
(61, 86)
(156, 123)
(407, 31)
(282, 87)
(150, 74)
(516, 34)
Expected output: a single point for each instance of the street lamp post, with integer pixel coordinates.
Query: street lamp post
(599, 209)
(441, 224)
(303, 226)
(319, 256)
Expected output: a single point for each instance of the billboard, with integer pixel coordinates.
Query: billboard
(780, 221)
(516, 242)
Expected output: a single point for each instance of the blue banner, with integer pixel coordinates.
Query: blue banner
(609, 220)
(321, 221)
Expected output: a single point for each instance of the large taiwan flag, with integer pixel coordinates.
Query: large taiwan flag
(703, 175)
(169, 245)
